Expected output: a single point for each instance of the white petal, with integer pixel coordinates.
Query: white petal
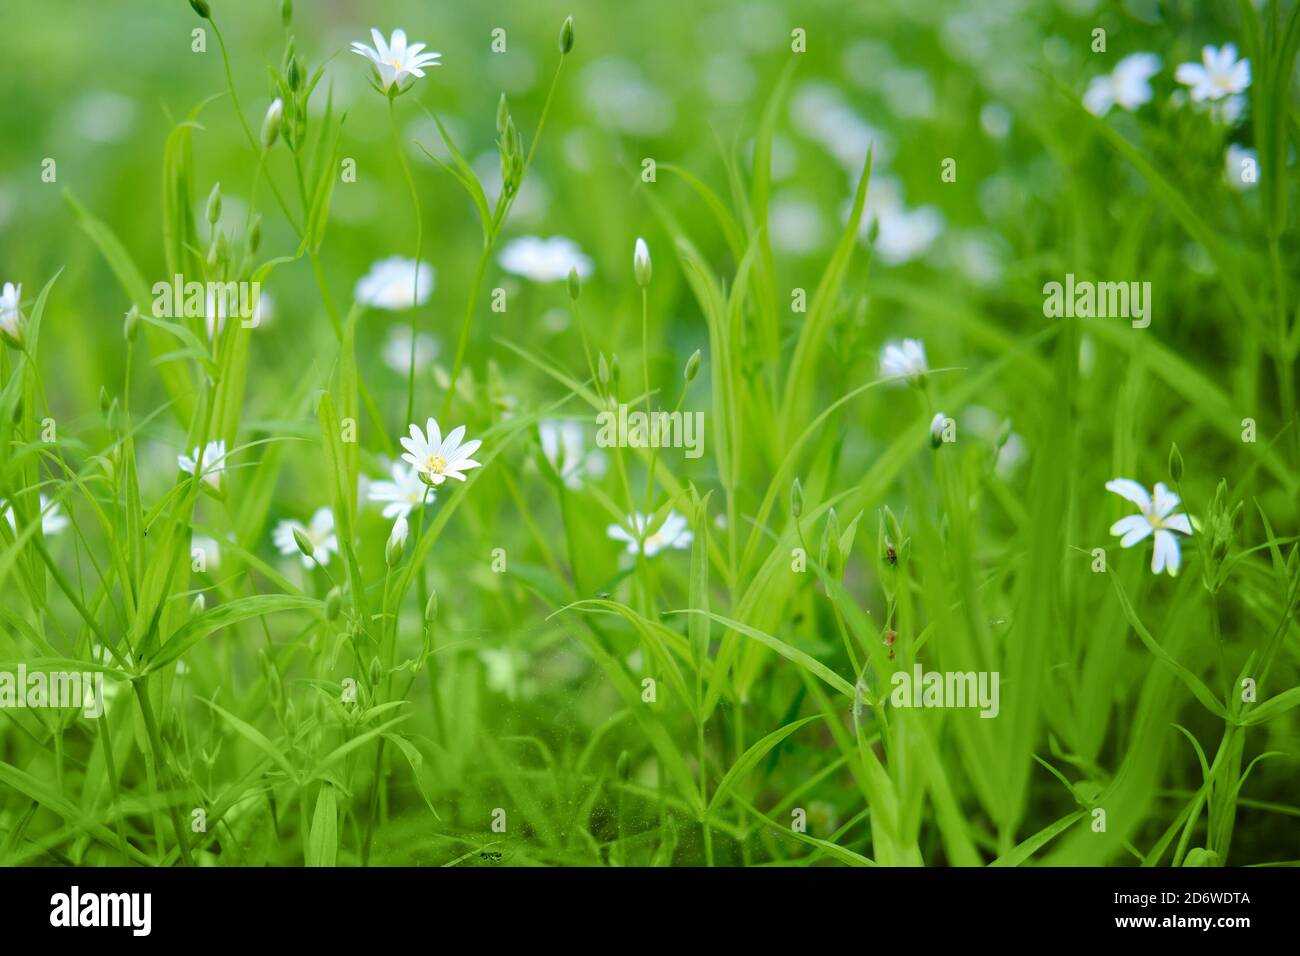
(1166, 556)
(1130, 490)
(1178, 523)
(1134, 528)
(1165, 500)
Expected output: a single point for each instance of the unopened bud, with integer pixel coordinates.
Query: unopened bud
(255, 233)
(333, 604)
(1175, 464)
(431, 608)
(131, 324)
(566, 36)
(396, 542)
(796, 498)
(693, 365)
(641, 263)
(936, 430)
(201, 8)
(575, 283)
(376, 671)
(214, 204)
(286, 12)
(197, 606)
(503, 115)
(303, 542)
(271, 123)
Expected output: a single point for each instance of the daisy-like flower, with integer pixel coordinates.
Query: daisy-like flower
(544, 260)
(403, 494)
(391, 284)
(436, 458)
(319, 534)
(211, 464)
(397, 349)
(1219, 74)
(905, 359)
(52, 522)
(396, 64)
(675, 532)
(11, 320)
(1128, 86)
(1156, 518)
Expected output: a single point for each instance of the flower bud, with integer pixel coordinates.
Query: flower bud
(303, 542)
(693, 366)
(214, 204)
(255, 233)
(796, 498)
(286, 12)
(271, 123)
(201, 8)
(376, 671)
(295, 72)
(1175, 464)
(622, 766)
(333, 604)
(641, 263)
(131, 324)
(566, 36)
(503, 115)
(197, 605)
(431, 608)
(218, 252)
(396, 542)
(936, 429)
(575, 283)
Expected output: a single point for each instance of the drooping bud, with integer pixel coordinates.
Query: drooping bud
(566, 36)
(693, 365)
(201, 8)
(641, 263)
(214, 204)
(936, 429)
(271, 123)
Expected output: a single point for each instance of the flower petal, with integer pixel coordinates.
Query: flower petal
(1134, 528)
(1178, 523)
(1130, 490)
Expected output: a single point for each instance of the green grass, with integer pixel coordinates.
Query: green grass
(510, 686)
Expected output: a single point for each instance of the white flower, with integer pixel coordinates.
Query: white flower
(902, 234)
(391, 284)
(436, 458)
(936, 428)
(403, 494)
(319, 534)
(1241, 167)
(1156, 516)
(563, 446)
(673, 533)
(396, 542)
(544, 260)
(11, 320)
(52, 522)
(1219, 74)
(1127, 86)
(395, 62)
(397, 350)
(211, 464)
(905, 359)
(641, 263)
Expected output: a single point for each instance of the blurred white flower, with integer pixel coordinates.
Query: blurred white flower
(544, 260)
(620, 99)
(436, 459)
(795, 224)
(1155, 517)
(564, 447)
(995, 119)
(102, 116)
(903, 234)
(396, 63)
(1241, 167)
(11, 319)
(820, 112)
(391, 284)
(52, 521)
(675, 532)
(1128, 86)
(403, 494)
(397, 349)
(319, 534)
(1219, 74)
(211, 464)
(905, 359)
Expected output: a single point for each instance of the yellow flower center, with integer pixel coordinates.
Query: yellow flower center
(435, 464)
